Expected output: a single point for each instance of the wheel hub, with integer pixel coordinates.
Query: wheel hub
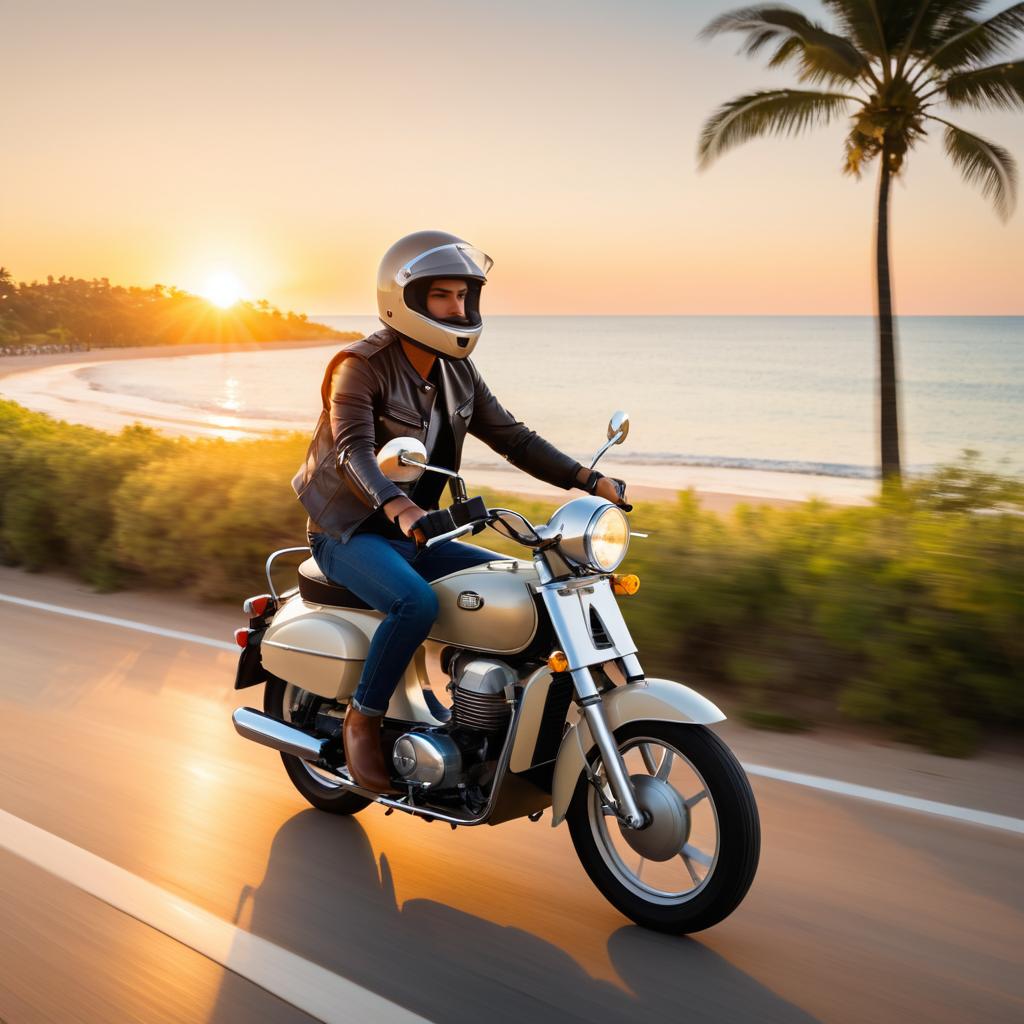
(668, 825)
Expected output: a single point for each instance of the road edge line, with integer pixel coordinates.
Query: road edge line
(967, 815)
(307, 986)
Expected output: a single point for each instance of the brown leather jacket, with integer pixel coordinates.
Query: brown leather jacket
(372, 393)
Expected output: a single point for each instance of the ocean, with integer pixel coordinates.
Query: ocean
(792, 397)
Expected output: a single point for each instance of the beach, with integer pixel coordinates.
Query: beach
(751, 487)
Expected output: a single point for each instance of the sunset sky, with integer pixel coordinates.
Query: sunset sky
(290, 144)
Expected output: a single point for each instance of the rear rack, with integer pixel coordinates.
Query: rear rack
(270, 562)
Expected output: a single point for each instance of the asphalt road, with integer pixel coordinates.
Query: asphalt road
(121, 743)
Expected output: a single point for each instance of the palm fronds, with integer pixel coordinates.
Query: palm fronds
(973, 41)
(767, 112)
(983, 163)
(820, 55)
(997, 87)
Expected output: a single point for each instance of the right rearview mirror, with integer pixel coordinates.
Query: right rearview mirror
(402, 459)
(618, 424)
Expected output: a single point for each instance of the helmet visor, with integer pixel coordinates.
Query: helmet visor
(455, 260)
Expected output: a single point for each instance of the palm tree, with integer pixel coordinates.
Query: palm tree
(894, 64)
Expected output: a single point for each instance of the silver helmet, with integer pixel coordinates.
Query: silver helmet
(403, 280)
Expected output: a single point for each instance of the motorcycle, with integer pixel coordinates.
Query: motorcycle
(549, 707)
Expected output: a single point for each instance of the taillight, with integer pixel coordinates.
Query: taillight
(242, 637)
(254, 607)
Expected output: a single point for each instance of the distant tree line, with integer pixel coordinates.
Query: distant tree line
(70, 314)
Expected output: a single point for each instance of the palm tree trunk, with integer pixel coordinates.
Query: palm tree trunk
(888, 396)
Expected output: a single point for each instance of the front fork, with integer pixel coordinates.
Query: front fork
(626, 806)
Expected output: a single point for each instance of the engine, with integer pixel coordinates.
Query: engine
(456, 755)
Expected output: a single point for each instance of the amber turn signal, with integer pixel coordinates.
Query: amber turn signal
(558, 662)
(627, 585)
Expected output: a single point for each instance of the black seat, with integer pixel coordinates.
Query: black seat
(315, 587)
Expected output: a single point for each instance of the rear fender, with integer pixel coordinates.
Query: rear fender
(656, 700)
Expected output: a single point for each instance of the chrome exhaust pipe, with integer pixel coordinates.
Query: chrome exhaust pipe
(255, 725)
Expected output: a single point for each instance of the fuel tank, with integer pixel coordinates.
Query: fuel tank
(488, 607)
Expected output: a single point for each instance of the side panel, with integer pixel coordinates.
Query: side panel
(531, 711)
(656, 700)
(317, 649)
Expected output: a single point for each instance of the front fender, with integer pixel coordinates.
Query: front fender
(656, 700)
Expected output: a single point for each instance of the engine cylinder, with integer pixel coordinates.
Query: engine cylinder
(479, 700)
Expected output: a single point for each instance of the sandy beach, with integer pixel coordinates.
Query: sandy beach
(741, 486)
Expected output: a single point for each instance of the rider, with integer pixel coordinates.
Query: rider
(413, 378)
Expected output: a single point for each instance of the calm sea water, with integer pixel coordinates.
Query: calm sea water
(793, 394)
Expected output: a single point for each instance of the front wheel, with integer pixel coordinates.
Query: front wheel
(290, 703)
(693, 863)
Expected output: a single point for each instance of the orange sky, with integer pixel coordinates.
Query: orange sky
(291, 143)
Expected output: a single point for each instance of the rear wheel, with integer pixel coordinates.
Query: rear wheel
(290, 703)
(693, 864)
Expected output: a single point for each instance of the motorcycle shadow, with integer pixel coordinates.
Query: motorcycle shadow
(448, 965)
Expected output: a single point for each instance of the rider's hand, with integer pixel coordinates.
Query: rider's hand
(408, 513)
(607, 489)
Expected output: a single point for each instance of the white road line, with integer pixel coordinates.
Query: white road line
(967, 815)
(110, 620)
(882, 796)
(305, 985)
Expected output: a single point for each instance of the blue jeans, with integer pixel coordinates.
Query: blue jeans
(393, 577)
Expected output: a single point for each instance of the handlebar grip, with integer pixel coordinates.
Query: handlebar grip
(468, 511)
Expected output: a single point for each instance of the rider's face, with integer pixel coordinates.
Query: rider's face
(446, 299)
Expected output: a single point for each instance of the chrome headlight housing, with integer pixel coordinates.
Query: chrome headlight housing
(595, 533)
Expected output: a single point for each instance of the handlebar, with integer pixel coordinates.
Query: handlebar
(450, 535)
(472, 515)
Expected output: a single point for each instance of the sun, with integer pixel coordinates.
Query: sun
(223, 289)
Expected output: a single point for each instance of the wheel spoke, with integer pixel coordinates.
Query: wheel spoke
(640, 868)
(695, 799)
(649, 762)
(690, 852)
(666, 765)
(689, 867)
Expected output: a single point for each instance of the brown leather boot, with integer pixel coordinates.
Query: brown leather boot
(361, 739)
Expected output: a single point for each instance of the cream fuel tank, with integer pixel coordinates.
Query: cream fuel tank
(545, 705)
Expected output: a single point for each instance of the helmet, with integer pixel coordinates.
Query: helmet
(403, 280)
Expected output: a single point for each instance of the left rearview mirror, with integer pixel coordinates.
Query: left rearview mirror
(402, 459)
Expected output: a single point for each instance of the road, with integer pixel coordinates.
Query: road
(120, 742)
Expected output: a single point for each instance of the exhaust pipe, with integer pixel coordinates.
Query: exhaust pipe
(255, 725)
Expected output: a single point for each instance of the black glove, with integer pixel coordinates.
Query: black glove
(433, 524)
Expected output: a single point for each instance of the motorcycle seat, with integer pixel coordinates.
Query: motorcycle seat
(316, 588)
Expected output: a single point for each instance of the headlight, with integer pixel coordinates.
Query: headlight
(607, 538)
(594, 532)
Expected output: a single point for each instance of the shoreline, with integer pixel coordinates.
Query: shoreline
(11, 366)
(719, 490)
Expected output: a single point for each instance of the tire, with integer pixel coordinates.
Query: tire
(710, 885)
(314, 785)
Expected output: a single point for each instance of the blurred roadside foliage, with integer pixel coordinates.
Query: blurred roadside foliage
(907, 614)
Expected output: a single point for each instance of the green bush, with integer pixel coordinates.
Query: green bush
(906, 614)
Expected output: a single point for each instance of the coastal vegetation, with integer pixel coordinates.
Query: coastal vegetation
(906, 615)
(67, 314)
(892, 65)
